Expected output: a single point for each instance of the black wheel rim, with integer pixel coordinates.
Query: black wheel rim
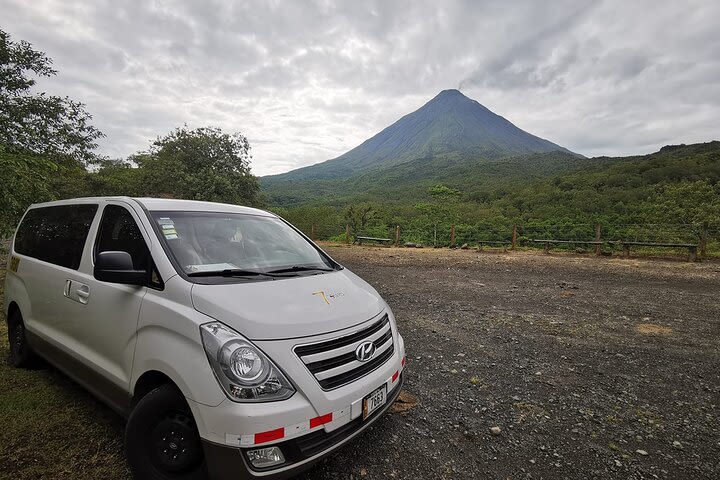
(17, 340)
(175, 444)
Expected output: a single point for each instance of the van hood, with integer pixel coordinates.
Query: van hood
(290, 307)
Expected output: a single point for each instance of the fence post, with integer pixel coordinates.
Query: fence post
(397, 236)
(514, 237)
(703, 240)
(452, 236)
(312, 232)
(347, 234)
(597, 239)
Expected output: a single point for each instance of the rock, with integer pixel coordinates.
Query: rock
(677, 445)
(641, 452)
(464, 246)
(410, 244)
(618, 463)
(495, 430)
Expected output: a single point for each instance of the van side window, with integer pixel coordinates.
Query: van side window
(55, 234)
(119, 232)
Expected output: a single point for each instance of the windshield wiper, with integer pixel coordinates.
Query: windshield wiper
(301, 268)
(230, 272)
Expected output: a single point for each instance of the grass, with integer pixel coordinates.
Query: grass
(50, 428)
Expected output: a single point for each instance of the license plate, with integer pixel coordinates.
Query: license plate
(374, 401)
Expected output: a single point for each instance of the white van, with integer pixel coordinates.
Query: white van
(233, 344)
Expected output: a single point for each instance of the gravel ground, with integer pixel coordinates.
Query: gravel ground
(536, 366)
(584, 367)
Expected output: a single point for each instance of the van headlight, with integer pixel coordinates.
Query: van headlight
(244, 372)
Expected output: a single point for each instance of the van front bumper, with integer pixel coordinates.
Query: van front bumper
(301, 453)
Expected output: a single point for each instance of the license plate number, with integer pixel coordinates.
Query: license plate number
(374, 401)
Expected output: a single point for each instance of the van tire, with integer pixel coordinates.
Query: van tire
(21, 354)
(161, 439)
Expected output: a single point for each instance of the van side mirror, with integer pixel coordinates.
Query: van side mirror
(117, 267)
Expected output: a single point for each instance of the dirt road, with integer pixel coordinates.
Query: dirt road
(590, 367)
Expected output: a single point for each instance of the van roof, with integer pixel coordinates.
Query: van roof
(166, 204)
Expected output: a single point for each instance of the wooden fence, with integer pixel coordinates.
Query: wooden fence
(700, 241)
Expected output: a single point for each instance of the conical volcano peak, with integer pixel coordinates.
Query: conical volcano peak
(449, 95)
(450, 92)
(453, 100)
(449, 124)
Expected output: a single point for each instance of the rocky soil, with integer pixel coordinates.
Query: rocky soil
(536, 366)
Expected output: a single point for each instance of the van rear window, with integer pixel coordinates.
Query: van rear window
(55, 234)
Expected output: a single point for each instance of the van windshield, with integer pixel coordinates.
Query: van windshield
(230, 244)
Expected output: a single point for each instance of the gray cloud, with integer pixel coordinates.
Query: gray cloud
(306, 81)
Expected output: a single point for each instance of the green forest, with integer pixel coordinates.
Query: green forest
(669, 196)
(48, 151)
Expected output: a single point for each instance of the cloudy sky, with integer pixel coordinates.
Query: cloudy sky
(307, 81)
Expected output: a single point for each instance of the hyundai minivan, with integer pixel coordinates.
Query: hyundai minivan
(234, 345)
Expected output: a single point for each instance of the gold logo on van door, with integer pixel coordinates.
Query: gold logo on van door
(327, 297)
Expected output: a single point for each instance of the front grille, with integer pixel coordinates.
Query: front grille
(333, 362)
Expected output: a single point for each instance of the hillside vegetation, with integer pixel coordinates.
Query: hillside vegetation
(677, 187)
(409, 181)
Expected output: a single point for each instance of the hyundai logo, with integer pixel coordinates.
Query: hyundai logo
(365, 351)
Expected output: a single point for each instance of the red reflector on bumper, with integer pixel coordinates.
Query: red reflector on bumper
(317, 421)
(269, 436)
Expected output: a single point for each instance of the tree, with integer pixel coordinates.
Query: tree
(37, 123)
(24, 179)
(686, 202)
(115, 177)
(201, 164)
(442, 208)
(443, 192)
(358, 217)
(45, 140)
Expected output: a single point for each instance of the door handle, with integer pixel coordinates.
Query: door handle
(83, 294)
